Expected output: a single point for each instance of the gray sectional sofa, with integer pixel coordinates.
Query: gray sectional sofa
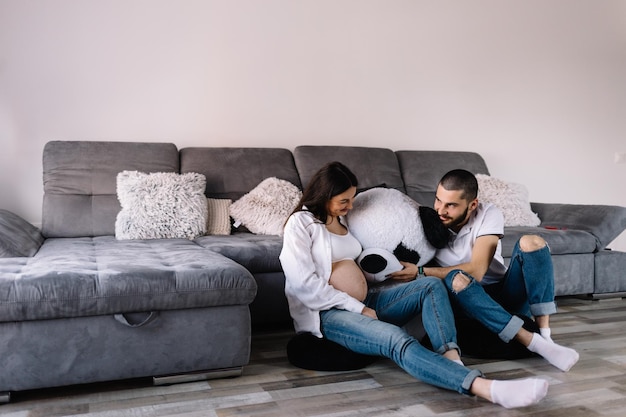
(78, 305)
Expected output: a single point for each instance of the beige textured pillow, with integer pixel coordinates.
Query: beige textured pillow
(510, 198)
(265, 209)
(218, 221)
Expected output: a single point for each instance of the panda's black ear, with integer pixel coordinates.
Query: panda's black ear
(436, 233)
(406, 255)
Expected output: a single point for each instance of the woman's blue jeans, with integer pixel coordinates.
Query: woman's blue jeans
(526, 289)
(395, 307)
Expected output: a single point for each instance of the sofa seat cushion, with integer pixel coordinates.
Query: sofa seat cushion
(561, 242)
(257, 253)
(73, 277)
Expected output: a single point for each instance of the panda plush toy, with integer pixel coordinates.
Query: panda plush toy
(392, 227)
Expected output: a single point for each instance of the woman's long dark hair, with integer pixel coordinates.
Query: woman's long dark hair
(332, 179)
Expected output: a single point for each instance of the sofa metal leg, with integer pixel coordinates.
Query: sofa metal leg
(197, 376)
(5, 397)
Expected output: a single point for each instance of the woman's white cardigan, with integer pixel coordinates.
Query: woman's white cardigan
(306, 261)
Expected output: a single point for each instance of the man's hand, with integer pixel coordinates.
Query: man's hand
(368, 312)
(406, 274)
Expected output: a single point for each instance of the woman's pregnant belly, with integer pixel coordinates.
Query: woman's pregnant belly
(348, 277)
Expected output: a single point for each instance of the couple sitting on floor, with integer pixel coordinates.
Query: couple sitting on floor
(328, 297)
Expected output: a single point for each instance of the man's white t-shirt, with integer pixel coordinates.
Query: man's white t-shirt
(487, 219)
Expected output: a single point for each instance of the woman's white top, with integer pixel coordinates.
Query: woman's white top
(306, 258)
(344, 247)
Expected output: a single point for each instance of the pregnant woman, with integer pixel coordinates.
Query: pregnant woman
(328, 297)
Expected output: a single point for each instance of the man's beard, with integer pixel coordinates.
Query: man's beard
(456, 222)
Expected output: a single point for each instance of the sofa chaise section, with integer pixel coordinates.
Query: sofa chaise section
(95, 309)
(87, 307)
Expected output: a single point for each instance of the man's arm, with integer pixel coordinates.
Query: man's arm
(482, 254)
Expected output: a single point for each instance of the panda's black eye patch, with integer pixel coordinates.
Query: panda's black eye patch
(373, 263)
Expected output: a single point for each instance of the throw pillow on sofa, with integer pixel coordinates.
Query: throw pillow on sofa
(18, 238)
(510, 198)
(218, 221)
(265, 209)
(161, 205)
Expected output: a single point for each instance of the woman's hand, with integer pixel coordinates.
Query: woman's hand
(368, 312)
(406, 274)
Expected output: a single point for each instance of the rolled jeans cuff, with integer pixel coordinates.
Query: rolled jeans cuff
(469, 380)
(543, 309)
(511, 329)
(449, 346)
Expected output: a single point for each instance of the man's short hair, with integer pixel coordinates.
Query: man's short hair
(461, 180)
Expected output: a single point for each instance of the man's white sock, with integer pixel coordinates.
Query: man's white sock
(546, 333)
(459, 361)
(560, 356)
(518, 392)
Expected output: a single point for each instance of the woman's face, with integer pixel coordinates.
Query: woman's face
(341, 204)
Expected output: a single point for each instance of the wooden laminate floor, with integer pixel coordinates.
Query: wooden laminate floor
(270, 386)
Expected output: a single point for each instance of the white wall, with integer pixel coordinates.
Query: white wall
(537, 87)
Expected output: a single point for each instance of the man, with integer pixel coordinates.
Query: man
(479, 283)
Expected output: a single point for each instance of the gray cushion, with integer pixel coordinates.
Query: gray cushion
(422, 170)
(257, 253)
(17, 236)
(602, 221)
(91, 276)
(233, 172)
(560, 241)
(372, 166)
(80, 182)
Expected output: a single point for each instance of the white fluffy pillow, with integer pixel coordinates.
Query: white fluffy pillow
(218, 221)
(160, 205)
(510, 198)
(265, 209)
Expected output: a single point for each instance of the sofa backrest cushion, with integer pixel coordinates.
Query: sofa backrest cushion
(80, 194)
(372, 166)
(232, 172)
(422, 170)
